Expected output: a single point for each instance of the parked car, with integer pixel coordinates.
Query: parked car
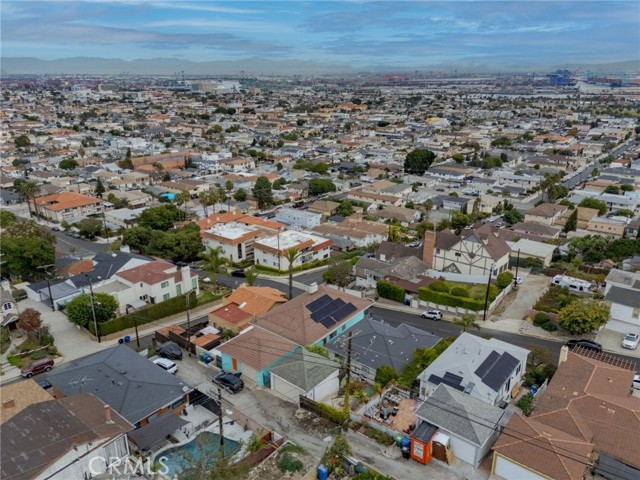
(631, 341)
(170, 350)
(636, 381)
(46, 384)
(238, 273)
(38, 366)
(590, 344)
(231, 382)
(55, 229)
(432, 315)
(167, 364)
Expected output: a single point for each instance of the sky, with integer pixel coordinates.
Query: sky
(358, 33)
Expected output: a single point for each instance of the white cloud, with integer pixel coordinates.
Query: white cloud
(201, 7)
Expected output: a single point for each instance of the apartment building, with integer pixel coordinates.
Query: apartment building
(234, 239)
(68, 206)
(298, 218)
(271, 251)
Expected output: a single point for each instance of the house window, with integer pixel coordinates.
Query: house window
(194, 283)
(636, 313)
(166, 297)
(143, 298)
(518, 369)
(239, 250)
(457, 254)
(178, 289)
(437, 251)
(7, 306)
(164, 284)
(333, 334)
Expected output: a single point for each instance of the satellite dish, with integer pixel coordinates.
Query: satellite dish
(185, 389)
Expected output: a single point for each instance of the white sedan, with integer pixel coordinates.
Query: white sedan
(631, 341)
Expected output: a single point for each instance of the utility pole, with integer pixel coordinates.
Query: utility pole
(515, 280)
(486, 298)
(346, 407)
(188, 323)
(45, 268)
(93, 309)
(220, 424)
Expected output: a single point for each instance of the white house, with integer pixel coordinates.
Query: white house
(234, 239)
(299, 218)
(271, 251)
(623, 293)
(489, 370)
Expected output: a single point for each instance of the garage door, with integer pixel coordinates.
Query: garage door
(510, 471)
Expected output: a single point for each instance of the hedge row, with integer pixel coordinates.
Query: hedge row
(151, 313)
(285, 266)
(390, 291)
(442, 298)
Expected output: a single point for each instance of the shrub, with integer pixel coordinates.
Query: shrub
(526, 404)
(504, 279)
(439, 286)
(287, 463)
(332, 413)
(14, 360)
(19, 294)
(459, 292)
(540, 319)
(549, 327)
(39, 355)
(384, 374)
(319, 350)
(442, 298)
(390, 291)
(380, 437)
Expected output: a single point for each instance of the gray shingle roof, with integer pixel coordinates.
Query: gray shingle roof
(460, 414)
(131, 384)
(623, 296)
(304, 369)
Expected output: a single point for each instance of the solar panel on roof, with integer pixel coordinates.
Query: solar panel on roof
(496, 377)
(322, 312)
(319, 303)
(343, 311)
(452, 378)
(327, 322)
(489, 362)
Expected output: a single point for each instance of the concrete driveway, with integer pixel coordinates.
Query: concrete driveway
(532, 287)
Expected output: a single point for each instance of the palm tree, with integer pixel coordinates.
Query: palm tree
(30, 190)
(208, 199)
(251, 275)
(214, 260)
(467, 321)
(181, 199)
(291, 255)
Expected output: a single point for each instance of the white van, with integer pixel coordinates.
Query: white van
(167, 364)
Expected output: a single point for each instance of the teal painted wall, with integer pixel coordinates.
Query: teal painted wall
(352, 321)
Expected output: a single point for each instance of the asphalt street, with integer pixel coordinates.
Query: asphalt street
(444, 328)
(78, 247)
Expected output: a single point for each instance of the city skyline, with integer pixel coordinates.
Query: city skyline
(358, 34)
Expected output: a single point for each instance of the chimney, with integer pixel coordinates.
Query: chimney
(313, 288)
(107, 415)
(564, 353)
(428, 249)
(8, 403)
(186, 278)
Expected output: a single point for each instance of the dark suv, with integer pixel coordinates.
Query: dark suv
(229, 381)
(591, 345)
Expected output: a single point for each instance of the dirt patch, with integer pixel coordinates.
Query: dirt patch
(312, 423)
(270, 468)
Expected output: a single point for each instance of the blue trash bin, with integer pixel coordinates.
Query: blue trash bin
(127, 339)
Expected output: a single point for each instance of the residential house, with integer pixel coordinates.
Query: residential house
(323, 207)
(545, 214)
(375, 198)
(236, 241)
(253, 352)
(376, 344)
(316, 317)
(405, 216)
(587, 407)
(535, 230)
(370, 270)
(120, 377)
(8, 307)
(153, 282)
(610, 227)
(271, 251)
(243, 305)
(585, 215)
(353, 233)
(471, 425)
(74, 437)
(525, 248)
(298, 218)
(623, 291)
(136, 198)
(193, 187)
(389, 251)
(68, 206)
(307, 374)
(477, 252)
(123, 217)
(489, 370)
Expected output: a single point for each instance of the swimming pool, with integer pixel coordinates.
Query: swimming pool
(185, 456)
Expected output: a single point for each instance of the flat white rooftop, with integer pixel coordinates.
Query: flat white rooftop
(232, 230)
(289, 239)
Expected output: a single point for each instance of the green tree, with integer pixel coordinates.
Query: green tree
(68, 164)
(25, 246)
(467, 322)
(320, 186)
(214, 261)
(138, 238)
(262, 192)
(625, 212)
(79, 310)
(90, 227)
(423, 227)
(182, 198)
(339, 273)
(6, 218)
(100, 188)
(428, 205)
(118, 202)
(240, 195)
(459, 221)
(291, 255)
(593, 203)
(585, 315)
(418, 161)
(345, 209)
(511, 217)
(613, 189)
(22, 141)
(181, 245)
(228, 186)
(572, 222)
(384, 374)
(208, 199)
(504, 279)
(30, 190)
(627, 187)
(162, 217)
(279, 166)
